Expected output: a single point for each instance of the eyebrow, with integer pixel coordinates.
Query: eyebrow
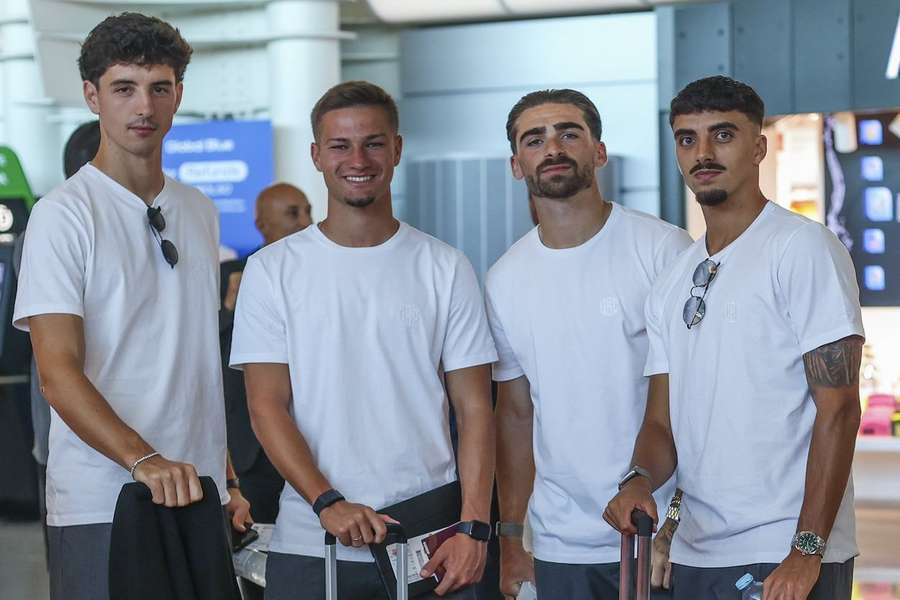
(711, 128)
(368, 138)
(164, 82)
(557, 126)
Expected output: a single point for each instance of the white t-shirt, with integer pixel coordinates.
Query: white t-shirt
(572, 321)
(740, 405)
(150, 331)
(367, 333)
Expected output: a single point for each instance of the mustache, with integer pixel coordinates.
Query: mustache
(142, 123)
(709, 166)
(562, 160)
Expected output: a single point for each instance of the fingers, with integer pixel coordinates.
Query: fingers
(171, 483)
(667, 577)
(463, 560)
(437, 560)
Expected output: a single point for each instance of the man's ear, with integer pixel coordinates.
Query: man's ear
(91, 96)
(314, 153)
(516, 167)
(760, 149)
(398, 149)
(600, 156)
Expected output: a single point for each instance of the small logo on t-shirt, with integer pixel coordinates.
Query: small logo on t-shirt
(409, 314)
(609, 306)
(731, 312)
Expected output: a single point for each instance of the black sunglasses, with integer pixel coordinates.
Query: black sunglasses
(157, 225)
(695, 307)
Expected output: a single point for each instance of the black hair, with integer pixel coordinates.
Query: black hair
(718, 94)
(354, 93)
(81, 147)
(563, 96)
(135, 39)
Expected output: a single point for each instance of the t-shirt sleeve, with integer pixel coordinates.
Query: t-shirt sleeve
(657, 360)
(818, 284)
(674, 243)
(54, 260)
(259, 335)
(507, 366)
(467, 342)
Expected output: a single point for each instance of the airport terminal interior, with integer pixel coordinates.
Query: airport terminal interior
(827, 70)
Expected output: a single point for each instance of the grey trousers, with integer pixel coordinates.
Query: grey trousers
(694, 583)
(79, 561)
(581, 582)
(295, 577)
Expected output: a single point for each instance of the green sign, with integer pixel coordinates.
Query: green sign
(13, 183)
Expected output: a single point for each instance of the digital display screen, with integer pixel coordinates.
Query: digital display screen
(862, 198)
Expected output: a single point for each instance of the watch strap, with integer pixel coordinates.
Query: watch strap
(233, 484)
(508, 529)
(635, 471)
(477, 530)
(326, 499)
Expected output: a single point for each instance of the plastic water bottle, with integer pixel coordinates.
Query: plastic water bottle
(527, 591)
(749, 588)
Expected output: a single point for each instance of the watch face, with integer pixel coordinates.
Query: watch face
(807, 542)
(476, 530)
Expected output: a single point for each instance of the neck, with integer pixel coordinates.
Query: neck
(727, 221)
(573, 221)
(355, 227)
(142, 176)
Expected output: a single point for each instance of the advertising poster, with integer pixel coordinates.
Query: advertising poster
(229, 161)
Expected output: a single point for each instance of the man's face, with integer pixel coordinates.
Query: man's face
(136, 105)
(279, 213)
(356, 152)
(555, 151)
(718, 153)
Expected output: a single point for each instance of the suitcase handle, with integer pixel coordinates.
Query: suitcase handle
(641, 581)
(395, 535)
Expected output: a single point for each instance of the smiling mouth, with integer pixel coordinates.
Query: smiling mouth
(359, 178)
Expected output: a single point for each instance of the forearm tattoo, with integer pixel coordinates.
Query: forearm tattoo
(835, 364)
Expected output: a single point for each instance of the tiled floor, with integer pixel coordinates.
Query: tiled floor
(23, 575)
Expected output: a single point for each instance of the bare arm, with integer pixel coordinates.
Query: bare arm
(515, 477)
(269, 399)
(462, 557)
(654, 450)
(833, 375)
(58, 341)
(832, 372)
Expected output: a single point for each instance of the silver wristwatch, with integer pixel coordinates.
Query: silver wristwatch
(635, 471)
(808, 543)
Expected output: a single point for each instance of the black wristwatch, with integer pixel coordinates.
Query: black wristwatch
(325, 500)
(477, 530)
(233, 484)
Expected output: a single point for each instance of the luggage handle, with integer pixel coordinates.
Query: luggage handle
(644, 525)
(395, 535)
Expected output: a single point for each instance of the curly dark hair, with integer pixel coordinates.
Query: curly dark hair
(354, 93)
(563, 96)
(135, 39)
(718, 94)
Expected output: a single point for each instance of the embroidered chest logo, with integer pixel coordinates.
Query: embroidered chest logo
(609, 306)
(731, 312)
(410, 315)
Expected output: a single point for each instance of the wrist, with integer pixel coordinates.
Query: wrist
(326, 499)
(806, 558)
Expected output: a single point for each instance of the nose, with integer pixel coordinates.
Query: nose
(552, 147)
(358, 157)
(705, 150)
(144, 106)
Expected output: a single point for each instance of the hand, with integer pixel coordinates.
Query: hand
(238, 509)
(171, 483)
(354, 524)
(234, 283)
(660, 567)
(516, 567)
(794, 578)
(635, 494)
(462, 558)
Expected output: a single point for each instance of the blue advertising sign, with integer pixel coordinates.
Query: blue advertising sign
(229, 161)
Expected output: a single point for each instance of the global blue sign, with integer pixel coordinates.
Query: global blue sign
(229, 161)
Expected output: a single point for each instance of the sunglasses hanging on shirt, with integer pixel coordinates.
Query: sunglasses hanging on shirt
(157, 225)
(695, 306)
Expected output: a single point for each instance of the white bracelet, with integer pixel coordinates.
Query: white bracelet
(140, 460)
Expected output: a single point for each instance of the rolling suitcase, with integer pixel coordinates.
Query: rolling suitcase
(395, 535)
(634, 583)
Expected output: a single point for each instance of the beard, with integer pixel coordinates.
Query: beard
(359, 202)
(561, 186)
(711, 197)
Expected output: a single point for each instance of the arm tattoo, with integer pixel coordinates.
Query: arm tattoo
(835, 364)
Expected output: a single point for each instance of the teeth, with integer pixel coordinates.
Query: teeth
(352, 179)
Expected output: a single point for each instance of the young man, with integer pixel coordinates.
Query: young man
(565, 305)
(755, 342)
(348, 333)
(119, 290)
